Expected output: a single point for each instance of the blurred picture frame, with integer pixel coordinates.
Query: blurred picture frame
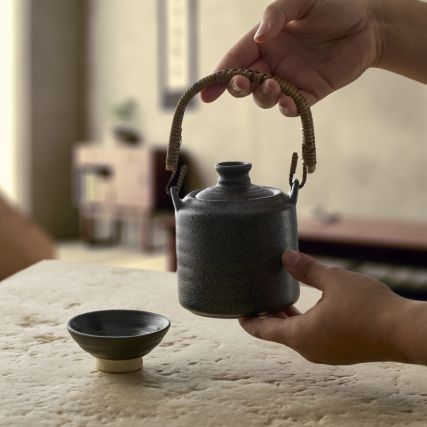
(177, 49)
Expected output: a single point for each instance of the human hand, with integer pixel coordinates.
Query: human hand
(318, 46)
(358, 319)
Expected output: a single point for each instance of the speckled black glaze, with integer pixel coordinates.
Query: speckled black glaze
(230, 239)
(118, 334)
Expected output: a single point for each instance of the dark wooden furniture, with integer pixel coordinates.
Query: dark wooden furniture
(168, 223)
(377, 240)
(394, 252)
(381, 240)
(391, 241)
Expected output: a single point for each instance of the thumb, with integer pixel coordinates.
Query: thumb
(277, 14)
(281, 330)
(307, 270)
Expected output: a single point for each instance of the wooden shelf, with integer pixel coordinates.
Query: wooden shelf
(371, 239)
(367, 232)
(125, 182)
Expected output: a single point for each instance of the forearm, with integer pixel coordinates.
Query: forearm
(403, 29)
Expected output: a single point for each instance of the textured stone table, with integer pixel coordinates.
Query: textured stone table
(206, 372)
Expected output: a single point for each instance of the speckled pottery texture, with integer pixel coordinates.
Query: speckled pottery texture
(230, 239)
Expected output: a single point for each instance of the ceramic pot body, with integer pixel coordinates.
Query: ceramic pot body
(229, 247)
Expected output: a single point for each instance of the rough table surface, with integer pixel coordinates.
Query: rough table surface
(206, 372)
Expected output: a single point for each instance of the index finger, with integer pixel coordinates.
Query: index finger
(241, 55)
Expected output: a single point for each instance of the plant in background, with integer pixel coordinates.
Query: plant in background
(124, 114)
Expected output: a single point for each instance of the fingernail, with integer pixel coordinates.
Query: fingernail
(235, 87)
(262, 29)
(265, 89)
(284, 111)
(291, 257)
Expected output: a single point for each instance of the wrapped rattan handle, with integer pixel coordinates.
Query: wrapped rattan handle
(308, 143)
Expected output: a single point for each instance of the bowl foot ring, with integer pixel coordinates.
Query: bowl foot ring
(119, 366)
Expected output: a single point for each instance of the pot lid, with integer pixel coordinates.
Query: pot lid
(234, 184)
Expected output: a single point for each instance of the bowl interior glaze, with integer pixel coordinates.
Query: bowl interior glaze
(118, 334)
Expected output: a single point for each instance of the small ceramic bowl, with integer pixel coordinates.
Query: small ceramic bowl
(118, 338)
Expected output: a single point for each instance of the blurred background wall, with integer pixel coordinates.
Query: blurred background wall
(75, 59)
(371, 135)
(42, 107)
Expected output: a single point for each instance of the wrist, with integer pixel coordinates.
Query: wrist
(401, 36)
(387, 16)
(407, 331)
(378, 21)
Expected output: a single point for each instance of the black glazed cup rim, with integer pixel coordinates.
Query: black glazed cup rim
(118, 334)
(72, 328)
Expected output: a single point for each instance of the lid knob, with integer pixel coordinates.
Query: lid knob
(234, 184)
(234, 173)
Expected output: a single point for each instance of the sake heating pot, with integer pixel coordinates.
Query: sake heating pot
(230, 237)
